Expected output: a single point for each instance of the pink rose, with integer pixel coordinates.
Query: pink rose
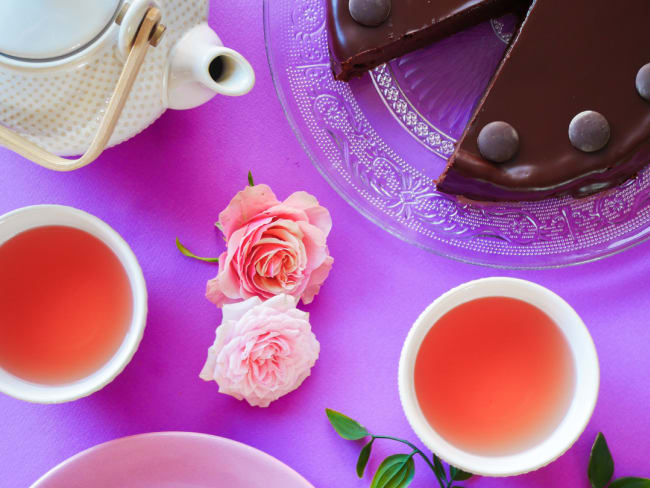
(263, 350)
(273, 247)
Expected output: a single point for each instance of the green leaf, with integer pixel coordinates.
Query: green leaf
(630, 482)
(364, 455)
(346, 427)
(459, 474)
(185, 251)
(601, 464)
(395, 471)
(250, 179)
(438, 469)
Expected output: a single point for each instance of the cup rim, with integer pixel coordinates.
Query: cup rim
(33, 216)
(582, 404)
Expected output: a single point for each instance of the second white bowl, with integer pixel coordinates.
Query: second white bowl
(26, 218)
(580, 409)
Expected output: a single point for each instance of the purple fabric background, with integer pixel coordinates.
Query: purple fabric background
(173, 180)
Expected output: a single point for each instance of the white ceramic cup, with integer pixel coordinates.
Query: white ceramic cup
(26, 218)
(584, 396)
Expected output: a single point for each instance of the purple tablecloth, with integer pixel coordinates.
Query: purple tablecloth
(173, 180)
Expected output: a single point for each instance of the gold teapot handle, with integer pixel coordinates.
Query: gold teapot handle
(148, 33)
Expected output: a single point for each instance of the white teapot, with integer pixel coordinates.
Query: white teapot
(78, 76)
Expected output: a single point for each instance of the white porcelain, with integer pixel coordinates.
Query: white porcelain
(26, 218)
(57, 96)
(188, 80)
(62, 26)
(581, 406)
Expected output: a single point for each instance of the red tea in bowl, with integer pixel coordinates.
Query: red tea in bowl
(494, 376)
(65, 304)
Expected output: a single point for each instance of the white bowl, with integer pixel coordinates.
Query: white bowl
(26, 218)
(584, 396)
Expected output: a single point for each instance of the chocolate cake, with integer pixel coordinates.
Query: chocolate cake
(385, 29)
(568, 109)
(565, 111)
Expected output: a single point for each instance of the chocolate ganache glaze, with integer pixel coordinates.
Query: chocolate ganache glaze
(566, 112)
(355, 48)
(569, 86)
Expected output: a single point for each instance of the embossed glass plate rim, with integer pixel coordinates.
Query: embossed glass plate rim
(555, 261)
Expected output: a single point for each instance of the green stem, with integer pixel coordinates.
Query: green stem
(451, 480)
(186, 252)
(415, 450)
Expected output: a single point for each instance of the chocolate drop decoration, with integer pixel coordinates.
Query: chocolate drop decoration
(498, 142)
(589, 131)
(643, 81)
(370, 13)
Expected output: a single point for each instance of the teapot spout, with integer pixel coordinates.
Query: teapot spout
(199, 67)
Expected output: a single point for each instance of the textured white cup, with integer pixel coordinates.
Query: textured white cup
(584, 396)
(26, 218)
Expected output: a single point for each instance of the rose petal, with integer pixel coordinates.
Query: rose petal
(284, 303)
(223, 288)
(314, 242)
(207, 373)
(316, 279)
(317, 215)
(235, 311)
(246, 205)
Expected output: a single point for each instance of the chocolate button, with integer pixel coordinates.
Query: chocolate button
(498, 142)
(643, 81)
(370, 13)
(589, 131)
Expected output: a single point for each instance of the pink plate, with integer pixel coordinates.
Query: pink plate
(172, 459)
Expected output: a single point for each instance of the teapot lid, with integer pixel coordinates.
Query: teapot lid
(38, 30)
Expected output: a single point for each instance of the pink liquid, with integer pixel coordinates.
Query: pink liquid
(494, 376)
(65, 304)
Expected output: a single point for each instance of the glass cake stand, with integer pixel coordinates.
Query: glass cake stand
(381, 140)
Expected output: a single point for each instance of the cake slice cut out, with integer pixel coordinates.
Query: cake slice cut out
(411, 24)
(571, 86)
